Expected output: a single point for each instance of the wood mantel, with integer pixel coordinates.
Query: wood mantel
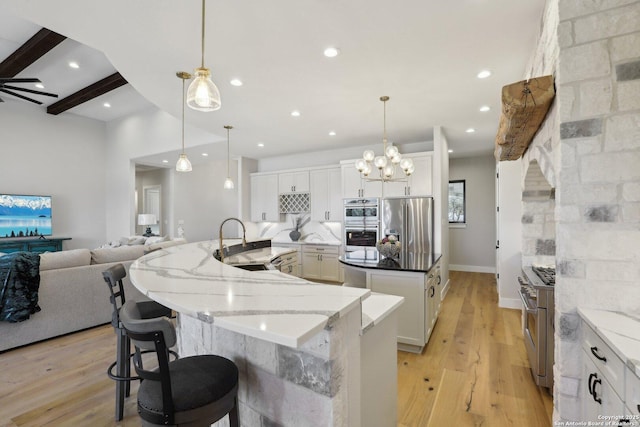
(524, 107)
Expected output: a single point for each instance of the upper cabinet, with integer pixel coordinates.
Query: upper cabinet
(264, 198)
(353, 186)
(293, 182)
(326, 198)
(420, 183)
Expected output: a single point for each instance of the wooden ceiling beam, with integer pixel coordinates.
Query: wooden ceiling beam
(101, 87)
(41, 42)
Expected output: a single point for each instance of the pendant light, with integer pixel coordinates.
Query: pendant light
(228, 183)
(183, 164)
(203, 94)
(386, 163)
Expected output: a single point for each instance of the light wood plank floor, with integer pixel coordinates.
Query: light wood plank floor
(473, 372)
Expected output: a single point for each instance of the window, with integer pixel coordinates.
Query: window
(457, 202)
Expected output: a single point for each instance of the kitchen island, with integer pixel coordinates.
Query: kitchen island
(301, 347)
(414, 276)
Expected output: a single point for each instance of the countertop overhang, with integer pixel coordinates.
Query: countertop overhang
(371, 259)
(267, 305)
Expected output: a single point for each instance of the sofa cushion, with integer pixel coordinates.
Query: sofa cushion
(64, 259)
(122, 253)
(155, 239)
(165, 244)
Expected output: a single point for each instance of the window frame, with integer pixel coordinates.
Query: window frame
(464, 201)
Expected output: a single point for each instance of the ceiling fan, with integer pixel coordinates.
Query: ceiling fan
(7, 87)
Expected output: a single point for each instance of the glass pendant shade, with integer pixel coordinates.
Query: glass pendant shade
(391, 151)
(228, 184)
(183, 164)
(406, 163)
(361, 164)
(396, 159)
(388, 171)
(203, 94)
(367, 170)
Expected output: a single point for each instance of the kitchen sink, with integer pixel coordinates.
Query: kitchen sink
(252, 267)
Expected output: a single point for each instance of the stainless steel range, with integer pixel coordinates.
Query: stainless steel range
(536, 292)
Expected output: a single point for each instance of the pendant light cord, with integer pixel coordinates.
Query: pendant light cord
(228, 152)
(202, 34)
(183, 102)
(384, 127)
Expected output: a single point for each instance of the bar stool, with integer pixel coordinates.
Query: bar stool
(150, 309)
(191, 391)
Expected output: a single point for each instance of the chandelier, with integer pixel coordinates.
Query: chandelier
(387, 162)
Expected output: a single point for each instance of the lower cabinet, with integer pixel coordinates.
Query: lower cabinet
(33, 245)
(416, 315)
(320, 263)
(603, 382)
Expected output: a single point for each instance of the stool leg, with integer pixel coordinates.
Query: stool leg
(121, 370)
(127, 364)
(233, 415)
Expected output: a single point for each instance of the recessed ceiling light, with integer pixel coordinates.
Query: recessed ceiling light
(236, 82)
(39, 85)
(470, 130)
(450, 151)
(106, 105)
(332, 133)
(331, 52)
(260, 144)
(484, 74)
(295, 113)
(165, 161)
(73, 64)
(205, 154)
(485, 108)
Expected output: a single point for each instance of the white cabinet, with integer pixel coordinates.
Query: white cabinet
(320, 263)
(632, 394)
(297, 269)
(602, 379)
(264, 198)
(420, 183)
(326, 198)
(431, 304)
(293, 182)
(353, 186)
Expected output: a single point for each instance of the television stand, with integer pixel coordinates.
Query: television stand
(32, 244)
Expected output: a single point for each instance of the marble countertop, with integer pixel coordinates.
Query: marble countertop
(620, 331)
(301, 243)
(267, 305)
(377, 307)
(413, 262)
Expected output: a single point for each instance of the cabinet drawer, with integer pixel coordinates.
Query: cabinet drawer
(600, 397)
(632, 392)
(603, 357)
(333, 250)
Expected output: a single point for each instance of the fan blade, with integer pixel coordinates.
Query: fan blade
(37, 92)
(20, 96)
(19, 80)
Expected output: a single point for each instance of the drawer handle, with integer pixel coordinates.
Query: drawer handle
(638, 406)
(590, 384)
(595, 395)
(594, 351)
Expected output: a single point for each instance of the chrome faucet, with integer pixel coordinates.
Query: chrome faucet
(244, 238)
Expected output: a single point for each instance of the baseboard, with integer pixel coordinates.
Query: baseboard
(472, 268)
(515, 303)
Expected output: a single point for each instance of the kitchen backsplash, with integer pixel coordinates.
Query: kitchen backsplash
(538, 219)
(310, 231)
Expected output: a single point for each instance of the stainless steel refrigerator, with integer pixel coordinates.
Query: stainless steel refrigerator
(411, 220)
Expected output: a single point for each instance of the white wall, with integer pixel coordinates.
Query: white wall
(441, 197)
(62, 156)
(472, 248)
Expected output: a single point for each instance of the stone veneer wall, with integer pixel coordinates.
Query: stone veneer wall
(317, 384)
(598, 184)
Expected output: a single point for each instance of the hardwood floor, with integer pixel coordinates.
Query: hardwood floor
(473, 372)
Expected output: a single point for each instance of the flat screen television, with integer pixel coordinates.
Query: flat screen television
(24, 215)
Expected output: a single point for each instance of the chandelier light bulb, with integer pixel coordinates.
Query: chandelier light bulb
(367, 170)
(368, 155)
(228, 184)
(388, 171)
(391, 151)
(361, 164)
(380, 162)
(396, 159)
(406, 163)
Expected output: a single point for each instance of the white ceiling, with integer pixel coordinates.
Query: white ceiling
(423, 54)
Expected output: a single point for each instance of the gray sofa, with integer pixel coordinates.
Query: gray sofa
(73, 295)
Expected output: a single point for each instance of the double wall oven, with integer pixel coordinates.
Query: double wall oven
(537, 293)
(361, 223)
